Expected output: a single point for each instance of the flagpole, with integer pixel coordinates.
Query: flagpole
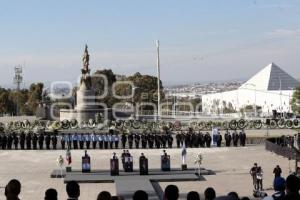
(158, 81)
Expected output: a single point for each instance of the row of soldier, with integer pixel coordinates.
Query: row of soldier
(111, 140)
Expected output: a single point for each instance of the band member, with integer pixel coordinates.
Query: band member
(170, 140)
(151, 140)
(144, 141)
(164, 140)
(123, 140)
(41, 140)
(34, 141)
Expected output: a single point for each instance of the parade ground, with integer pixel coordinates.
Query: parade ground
(231, 167)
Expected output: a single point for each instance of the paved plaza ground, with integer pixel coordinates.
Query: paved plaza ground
(231, 165)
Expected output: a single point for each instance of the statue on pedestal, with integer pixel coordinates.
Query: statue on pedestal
(85, 77)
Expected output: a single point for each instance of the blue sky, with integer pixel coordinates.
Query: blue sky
(200, 40)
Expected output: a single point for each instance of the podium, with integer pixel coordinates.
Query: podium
(143, 166)
(86, 163)
(128, 164)
(165, 163)
(114, 167)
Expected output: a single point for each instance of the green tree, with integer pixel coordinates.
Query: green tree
(35, 96)
(295, 101)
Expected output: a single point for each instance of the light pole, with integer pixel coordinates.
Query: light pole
(133, 102)
(18, 78)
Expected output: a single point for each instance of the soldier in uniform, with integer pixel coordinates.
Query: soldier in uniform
(4, 141)
(41, 140)
(164, 140)
(75, 141)
(207, 139)
(34, 141)
(28, 141)
(22, 140)
(150, 141)
(243, 138)
(144, 141)
(130, 140)
(111, 139)
(88, 140)
(235, 138)
(9, 141)
(227, 138)
(201, 139)
(81, 140)
(100, 138)
(195, 140)
(69, 141)
(16, 140)
(170, 140)
(94, 140)
(63, 141)
(54, 140)
(105, 139)
(137, 140)
(219, 139)
(116, 140)
(123, 140)
(178, 139)
(48, 140)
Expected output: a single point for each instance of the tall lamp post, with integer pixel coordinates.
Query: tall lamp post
(158, 81)
(133, 102)
(18, 78)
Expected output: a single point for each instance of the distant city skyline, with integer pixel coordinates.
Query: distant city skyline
(200, 41)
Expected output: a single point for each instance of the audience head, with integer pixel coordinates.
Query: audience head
(209, 194)
(234, 195)
(140, 195)
(245, 198)
(292, 184)
(51, 194)
(13, 189)
(73, 189)
(104, 196)
(171, 192)
(193, 196)
(279, 184)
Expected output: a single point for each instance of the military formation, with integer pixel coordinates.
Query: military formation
(113, 140)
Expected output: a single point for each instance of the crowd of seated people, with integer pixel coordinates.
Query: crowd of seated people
(284, 189)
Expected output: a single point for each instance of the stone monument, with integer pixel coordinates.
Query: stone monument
(86, 107)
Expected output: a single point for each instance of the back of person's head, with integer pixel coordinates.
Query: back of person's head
(171, 192)
(114, 198)
(51, 194)
(279, 184)
(245, 198)
(104, 196)
(140, 195)
(209, 194)
(193, 195)
(13, 188)
(224, 198)
(234, 195)
(292, 184)
(73, 189)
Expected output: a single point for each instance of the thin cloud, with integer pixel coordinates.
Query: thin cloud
(279, 33)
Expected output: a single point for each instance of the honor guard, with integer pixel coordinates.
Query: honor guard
(151, 140)
(63, 140)
(94, 140)
(9, 141)
(170, 140)
(144, 141)
(69, 141)
(54, 140)
(81, 140)
(41, 140)
(116, 139)
(47, 141)
(28, 141)
(201, 139)
(178, 139)
(4, 141)
(235, 138)
(130, 140)
(227, 138)
(16, 140)
(105, 139)
(164, 140)
(111, 140)
(87, 140)
(137, 140)
(123, 140)
(75, 141)
(207, 139)
(34, 141)
(219, 139)
(22, 140)
(100, 138)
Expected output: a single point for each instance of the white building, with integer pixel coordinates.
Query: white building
(270, 89)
